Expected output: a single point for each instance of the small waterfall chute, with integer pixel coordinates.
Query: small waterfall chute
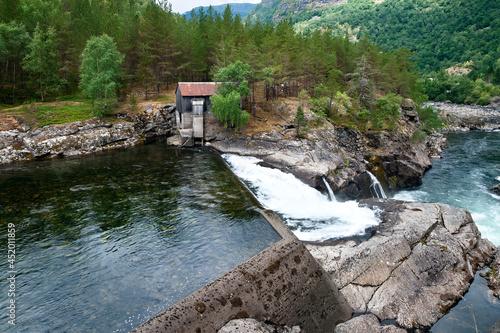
(375, 187)
(329, 189)
(310, 214)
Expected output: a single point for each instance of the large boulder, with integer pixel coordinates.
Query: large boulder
(339, 154)
(419, 262)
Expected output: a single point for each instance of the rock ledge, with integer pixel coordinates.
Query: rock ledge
(420, 260)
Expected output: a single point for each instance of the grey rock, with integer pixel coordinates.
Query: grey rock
(462, 118)
(249, 325)
(492, 276)
(419, 261)
(335, 153)
(83, 137)
(495, 189)
(362, 324)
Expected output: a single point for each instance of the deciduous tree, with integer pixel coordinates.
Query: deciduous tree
(101, 72)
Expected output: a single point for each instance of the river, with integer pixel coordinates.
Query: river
(462, 178)
(469, 167)
(105, 242)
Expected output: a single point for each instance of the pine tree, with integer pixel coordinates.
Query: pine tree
(42, 61)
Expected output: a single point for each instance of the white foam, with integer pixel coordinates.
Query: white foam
(410, 195)
(308, 211)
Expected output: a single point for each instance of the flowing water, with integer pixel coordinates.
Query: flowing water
(462, 178)
(375, 187)
(105, 242)
(311, 215)
(469, 167)
(331, 195)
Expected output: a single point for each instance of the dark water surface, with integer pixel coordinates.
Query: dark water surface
(105, 242)
(476, 312)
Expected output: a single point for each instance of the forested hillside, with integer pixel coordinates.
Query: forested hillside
(440, 33)
(160, 47)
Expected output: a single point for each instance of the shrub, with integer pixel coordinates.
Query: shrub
(429, 118)
(418, 136)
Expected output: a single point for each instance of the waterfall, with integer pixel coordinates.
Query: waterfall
(329, 189)
(308, 212)
(375, 187)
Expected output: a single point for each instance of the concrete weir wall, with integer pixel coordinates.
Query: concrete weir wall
(283, 284)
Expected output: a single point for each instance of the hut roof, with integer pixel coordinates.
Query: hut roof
(197, 88)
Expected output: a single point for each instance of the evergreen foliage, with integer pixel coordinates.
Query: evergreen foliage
(441, 33)
(160, 47)
(300, 122)
(41, 61)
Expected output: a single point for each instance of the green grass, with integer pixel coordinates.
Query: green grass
(40, 114)
(164, 98)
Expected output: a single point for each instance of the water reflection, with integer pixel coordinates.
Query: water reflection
(108, 241)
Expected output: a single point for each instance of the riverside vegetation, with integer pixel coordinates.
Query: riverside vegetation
(159, 47)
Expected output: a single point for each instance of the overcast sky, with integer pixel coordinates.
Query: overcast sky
(182, 6)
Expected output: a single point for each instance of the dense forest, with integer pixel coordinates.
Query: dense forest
(161, 47)
(441, 34)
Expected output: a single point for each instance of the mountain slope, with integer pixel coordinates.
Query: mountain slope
(442, 33)
(237, 8)
(275, 10)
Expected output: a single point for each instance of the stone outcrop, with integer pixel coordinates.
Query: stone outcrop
(492, 276)
(20, 143)
(342, 155)
(420, 260)
(366, 324)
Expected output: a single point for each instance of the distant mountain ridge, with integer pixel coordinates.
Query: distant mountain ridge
(238, 8)
(276, 10)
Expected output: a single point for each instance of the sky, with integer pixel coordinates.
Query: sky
(182, 6)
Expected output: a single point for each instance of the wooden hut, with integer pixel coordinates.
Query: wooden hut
(192, 100)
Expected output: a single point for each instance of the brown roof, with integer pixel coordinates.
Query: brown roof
(197, 88)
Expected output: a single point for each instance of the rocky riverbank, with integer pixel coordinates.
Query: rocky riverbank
(341, 155)
(461, 118)
(20, 143)
(419, 262)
